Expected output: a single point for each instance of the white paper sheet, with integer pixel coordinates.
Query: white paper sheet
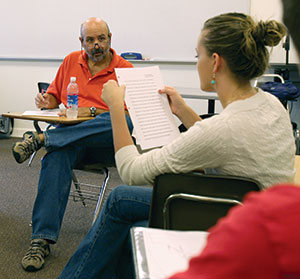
(167, 252)
(48, 112)
(150, 112)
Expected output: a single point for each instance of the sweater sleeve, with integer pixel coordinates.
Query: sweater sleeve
(202, 146)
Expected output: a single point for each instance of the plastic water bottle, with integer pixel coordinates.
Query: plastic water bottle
(72, 106)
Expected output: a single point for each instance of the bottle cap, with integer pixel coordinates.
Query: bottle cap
(73, 79)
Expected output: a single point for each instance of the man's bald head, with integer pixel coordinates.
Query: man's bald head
(95, 38)
(92, 23)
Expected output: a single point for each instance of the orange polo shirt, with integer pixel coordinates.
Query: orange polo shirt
(90, 87)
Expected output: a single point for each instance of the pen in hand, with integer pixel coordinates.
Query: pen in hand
(41, 100)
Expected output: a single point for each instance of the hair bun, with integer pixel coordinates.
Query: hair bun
(268, 33)
(259, 32)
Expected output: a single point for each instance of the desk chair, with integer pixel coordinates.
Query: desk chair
(83, 191)
(195, 201)
(43, 86)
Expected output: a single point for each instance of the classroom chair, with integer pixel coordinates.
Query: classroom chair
(83, 192)
(195, 201)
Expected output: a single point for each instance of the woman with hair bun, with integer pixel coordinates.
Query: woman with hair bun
(252, 137)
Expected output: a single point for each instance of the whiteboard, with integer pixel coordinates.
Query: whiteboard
(159, 29)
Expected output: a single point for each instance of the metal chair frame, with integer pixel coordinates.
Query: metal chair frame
(82, 191)
(85, 191)
(196, 198)
(195, 201)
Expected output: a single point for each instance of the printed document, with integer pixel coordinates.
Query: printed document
(161, 253)
(46, 112)
(150, 112)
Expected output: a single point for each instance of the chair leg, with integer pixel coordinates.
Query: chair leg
(101, 194)
(31, 158)
(78, 189)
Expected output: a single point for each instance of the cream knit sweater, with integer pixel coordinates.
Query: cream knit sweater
(250, 138)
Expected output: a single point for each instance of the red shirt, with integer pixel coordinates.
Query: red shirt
(90, 87)
(260, 240)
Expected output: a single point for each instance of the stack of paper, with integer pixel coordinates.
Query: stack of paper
(150, 112)
(160, 253)
(46, 112)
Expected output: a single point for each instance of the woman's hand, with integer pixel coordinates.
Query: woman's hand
(176, 102)
(113, 94)
(178, 106)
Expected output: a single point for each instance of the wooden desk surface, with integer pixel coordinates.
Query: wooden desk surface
(49, 119)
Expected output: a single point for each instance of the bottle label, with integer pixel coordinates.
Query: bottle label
(72, 100)
(72, 109)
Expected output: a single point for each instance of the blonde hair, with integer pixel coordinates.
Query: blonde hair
(242, 42)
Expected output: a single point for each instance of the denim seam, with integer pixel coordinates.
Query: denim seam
(46, 139)
(78, 272)
(43, 236)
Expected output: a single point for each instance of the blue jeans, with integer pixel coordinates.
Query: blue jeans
(105, 252)
(68, 146)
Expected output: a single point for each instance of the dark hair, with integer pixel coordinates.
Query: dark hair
(242, 42)
(291, 18)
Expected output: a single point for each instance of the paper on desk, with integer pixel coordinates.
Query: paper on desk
(168, 252)
(48, 112)
(153, 121)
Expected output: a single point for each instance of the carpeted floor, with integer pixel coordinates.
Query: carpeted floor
(18, 189)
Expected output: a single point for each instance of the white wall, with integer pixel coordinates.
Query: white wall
(150, 27)
(18, 79)
(18, 87)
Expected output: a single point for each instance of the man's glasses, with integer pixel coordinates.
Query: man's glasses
(90, 41)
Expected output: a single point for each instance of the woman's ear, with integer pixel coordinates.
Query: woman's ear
(216, 62)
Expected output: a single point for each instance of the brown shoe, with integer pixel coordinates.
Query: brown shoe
(22, 150)
(34, 258)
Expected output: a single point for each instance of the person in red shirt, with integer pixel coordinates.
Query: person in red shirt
(260, 239)
(68, 146)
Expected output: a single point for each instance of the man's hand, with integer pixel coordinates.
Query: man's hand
(113, 94)
(47, 101)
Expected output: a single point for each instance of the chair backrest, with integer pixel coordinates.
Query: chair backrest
(195, 201)
(43, 86)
